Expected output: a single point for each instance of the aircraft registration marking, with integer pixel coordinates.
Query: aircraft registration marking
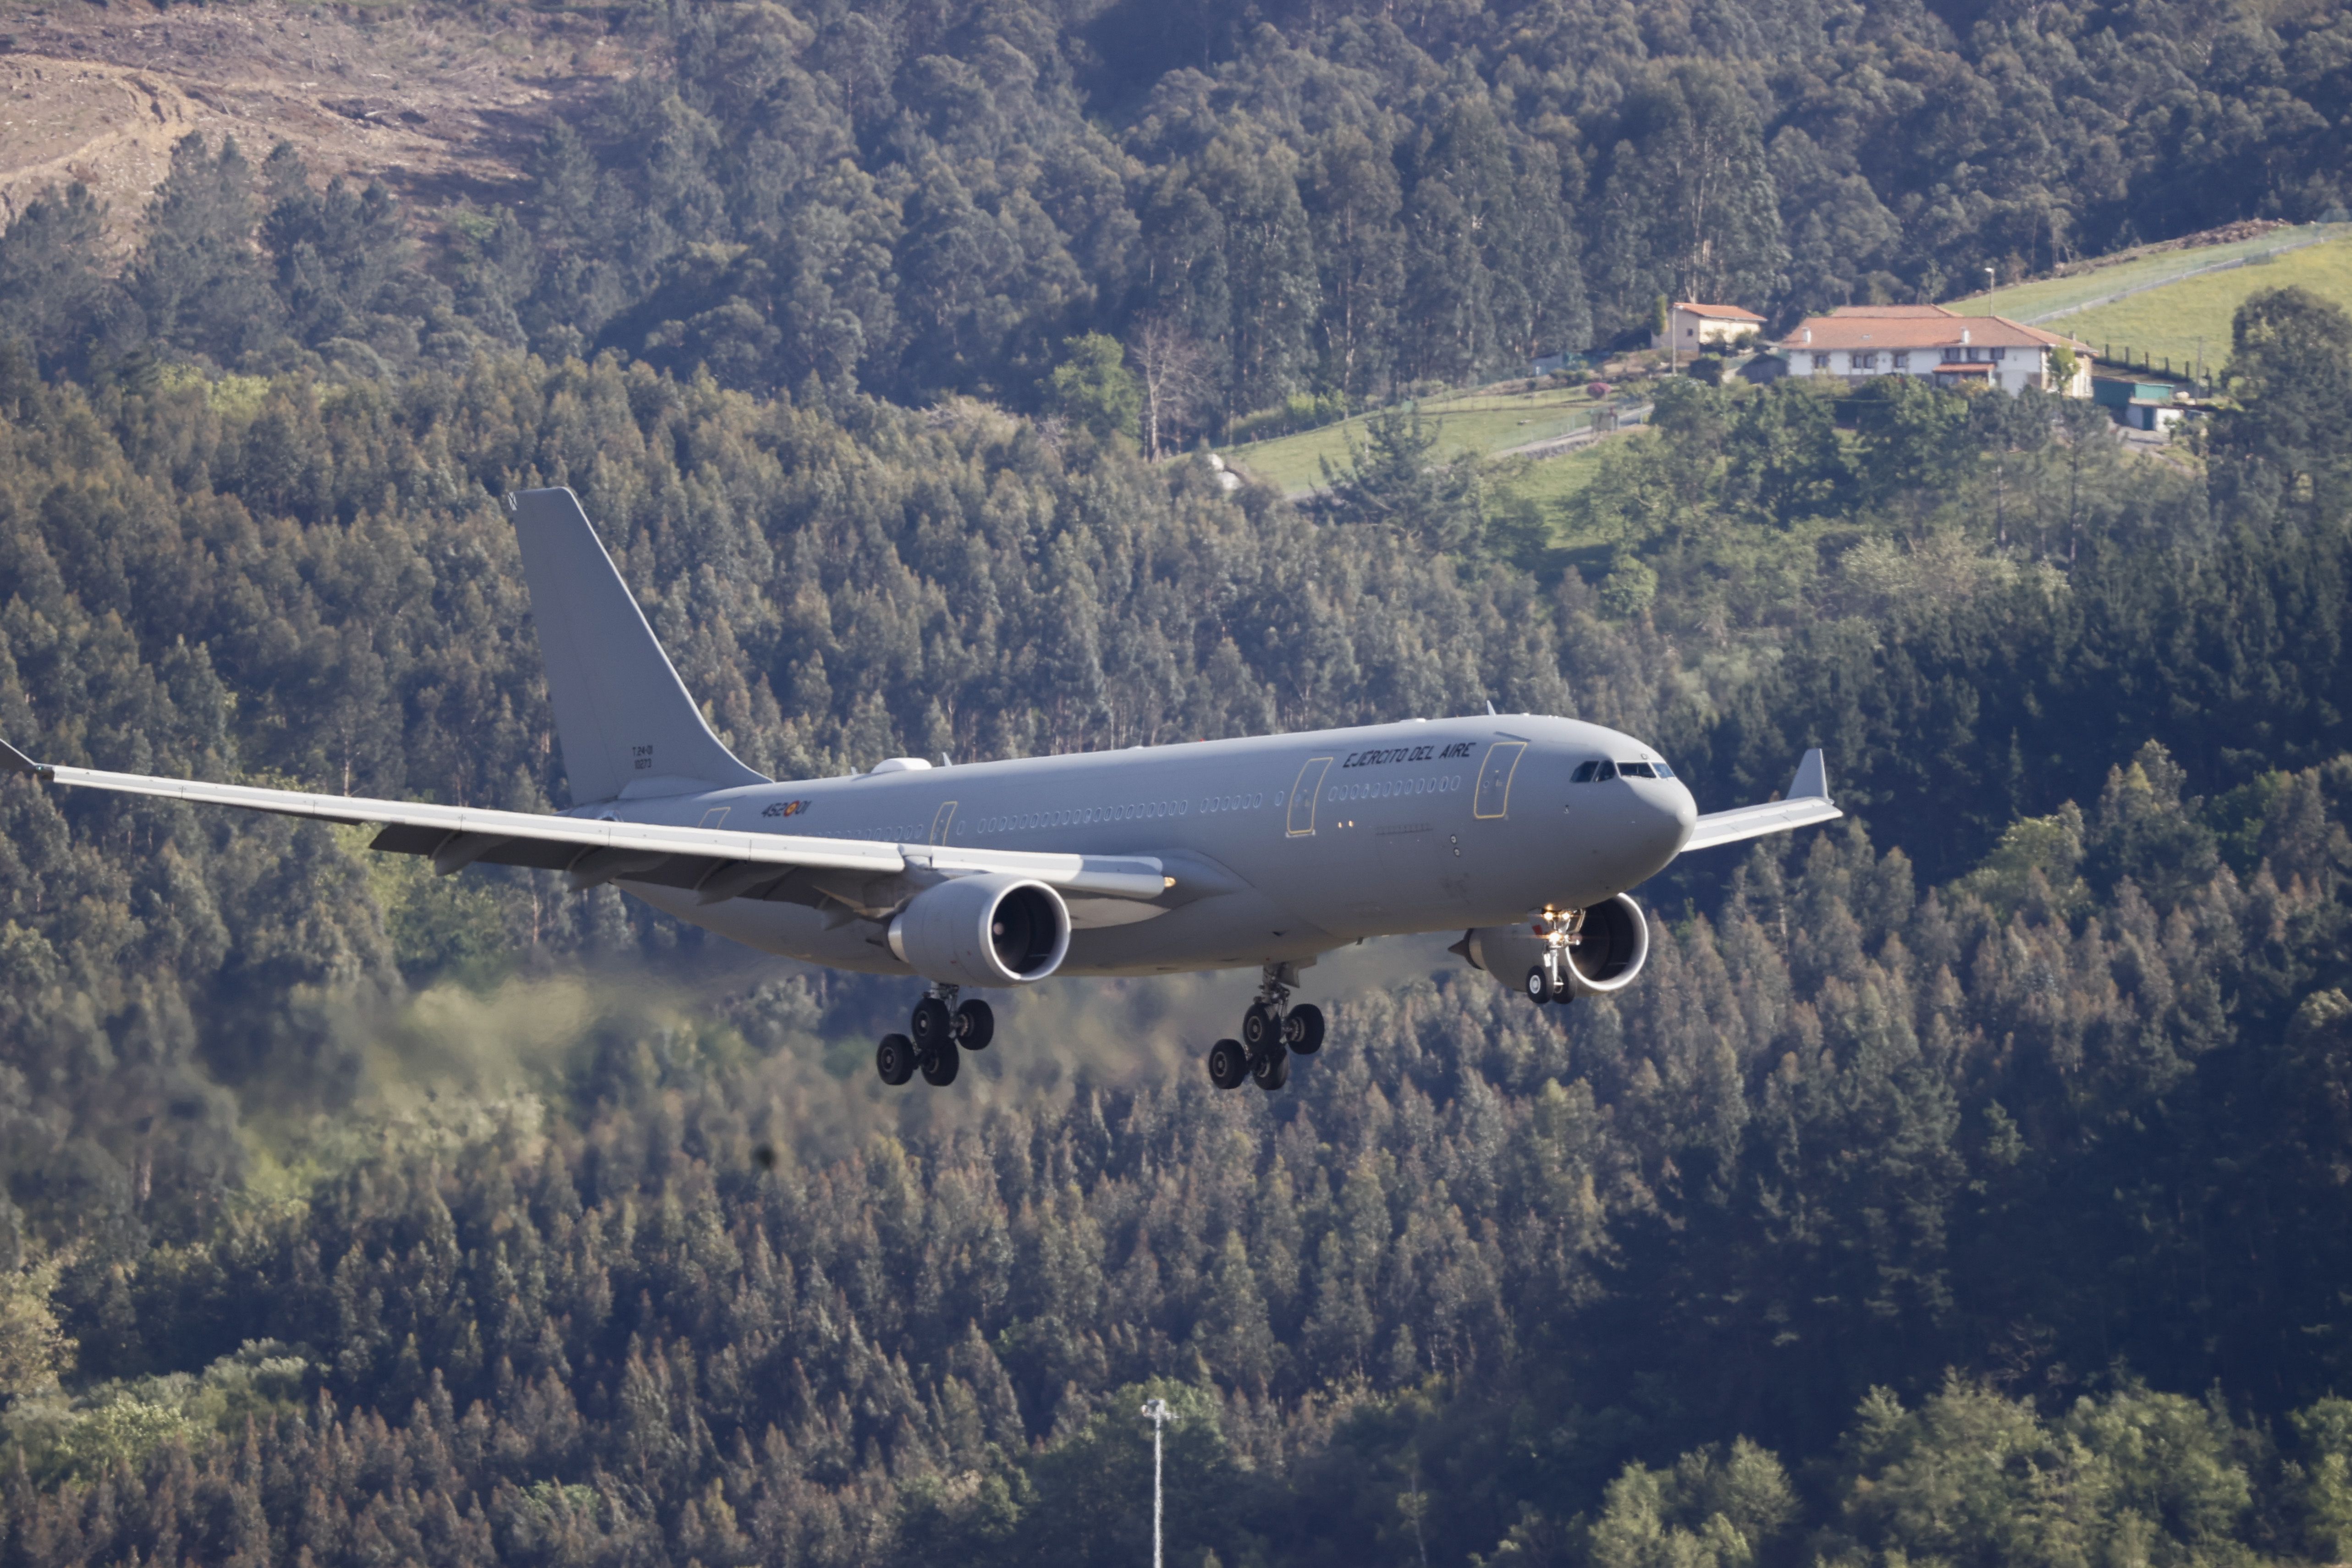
(1406, 754)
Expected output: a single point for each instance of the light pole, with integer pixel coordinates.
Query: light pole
(1156, 1412)
(1989, 288)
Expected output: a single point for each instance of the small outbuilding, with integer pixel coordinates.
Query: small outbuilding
(1692, 326)
(2139, 404)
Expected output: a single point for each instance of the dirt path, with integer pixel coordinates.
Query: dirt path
(110, 127)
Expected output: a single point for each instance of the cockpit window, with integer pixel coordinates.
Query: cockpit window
(1664, 771)
(1604, 773)
(1583, 774)
(1634, 771)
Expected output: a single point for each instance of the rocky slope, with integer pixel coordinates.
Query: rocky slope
(442, 105)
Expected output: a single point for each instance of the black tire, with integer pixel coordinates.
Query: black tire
(894, 1058)
(1260, 1028)
(940, 1065)
(1302, 1030)
(1228, 1064)
(1538, 985)
(930, 1026)
(1272, 1070)
(975, 1024)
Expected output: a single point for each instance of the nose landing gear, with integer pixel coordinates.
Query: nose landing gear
(1548, 979)
(937, 1035)
(1271, 1033)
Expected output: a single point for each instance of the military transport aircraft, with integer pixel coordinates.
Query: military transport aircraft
(1523, 831)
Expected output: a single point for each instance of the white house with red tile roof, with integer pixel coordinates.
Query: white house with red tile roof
(1859, 341)
(1690, 327)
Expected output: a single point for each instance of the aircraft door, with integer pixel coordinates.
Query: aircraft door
(1303, 795)
(1494, 800)
(941, 821)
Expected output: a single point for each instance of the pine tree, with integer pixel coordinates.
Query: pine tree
(199, 276)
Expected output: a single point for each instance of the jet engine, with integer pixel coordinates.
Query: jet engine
(1584, 953)
(999, 930)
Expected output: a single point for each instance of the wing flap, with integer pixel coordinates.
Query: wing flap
(414, 827)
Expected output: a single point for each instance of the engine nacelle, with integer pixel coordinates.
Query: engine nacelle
(1604, 954)
(996, 929)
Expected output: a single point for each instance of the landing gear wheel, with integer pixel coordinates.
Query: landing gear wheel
(1539, 989)
(975, 1024)
(1272, 1070)
(940, 1065)
(1302, 1030)
(1228, 1064)
(894, 1058)
(930, 1026)
(1261, 1027)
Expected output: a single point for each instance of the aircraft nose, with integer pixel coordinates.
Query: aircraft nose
(1669, 816)
(1685, 811)
(1657, 820)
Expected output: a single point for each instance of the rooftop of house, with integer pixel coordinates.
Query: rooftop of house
(1899, 311)
(1722, 312)
(1917, 327)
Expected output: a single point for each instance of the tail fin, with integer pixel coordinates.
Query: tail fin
(624, 716)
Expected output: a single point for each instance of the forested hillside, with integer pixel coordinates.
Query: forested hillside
(1964, 1183)
(1310, 201)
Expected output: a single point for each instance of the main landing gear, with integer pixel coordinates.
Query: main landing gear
(936, 1038)
(1272, 1032)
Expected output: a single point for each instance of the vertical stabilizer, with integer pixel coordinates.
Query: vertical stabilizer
(622, 713)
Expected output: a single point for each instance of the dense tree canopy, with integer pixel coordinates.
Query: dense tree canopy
(1922, 1140)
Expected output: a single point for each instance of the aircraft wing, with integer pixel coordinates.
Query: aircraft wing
(713, 862)
(1805, 801)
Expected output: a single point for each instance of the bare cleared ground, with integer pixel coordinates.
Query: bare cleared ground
(441, 105)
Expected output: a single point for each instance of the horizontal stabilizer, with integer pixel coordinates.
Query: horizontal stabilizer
(1806, 803)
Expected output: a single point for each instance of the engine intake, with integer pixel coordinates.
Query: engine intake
(1611, 945)
(997, 930)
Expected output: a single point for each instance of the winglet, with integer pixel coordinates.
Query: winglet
(15, 762)
(1812, 780)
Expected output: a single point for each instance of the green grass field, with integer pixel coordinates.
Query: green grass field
(2173, 320)
(2024, 300)
(1552, 480)
(1466, 422)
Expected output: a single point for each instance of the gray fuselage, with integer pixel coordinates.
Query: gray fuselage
(1279, 847)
